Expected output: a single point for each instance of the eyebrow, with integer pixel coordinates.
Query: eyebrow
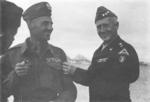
(48, 22)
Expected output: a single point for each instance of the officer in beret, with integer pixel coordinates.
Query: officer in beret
(114, 65)
(35, 63)
(10, 18)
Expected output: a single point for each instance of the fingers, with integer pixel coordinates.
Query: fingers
(21, 69)
(68, 68)
(65, 63)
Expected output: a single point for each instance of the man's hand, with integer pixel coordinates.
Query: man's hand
(54, 63)
(68, 68)
(22, 68)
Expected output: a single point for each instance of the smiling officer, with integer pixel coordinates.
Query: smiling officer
(34, 63)
(114, 65)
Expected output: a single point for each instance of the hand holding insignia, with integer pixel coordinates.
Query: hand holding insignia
(68, 68)
(22, 68)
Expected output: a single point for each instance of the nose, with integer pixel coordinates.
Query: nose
(50, 27)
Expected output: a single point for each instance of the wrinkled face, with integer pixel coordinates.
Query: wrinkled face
(41, 28)
(107, 28)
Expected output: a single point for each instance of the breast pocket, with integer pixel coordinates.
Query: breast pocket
(50, 78)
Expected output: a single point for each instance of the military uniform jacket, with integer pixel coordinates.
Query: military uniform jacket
(42, 81)
(110, 73)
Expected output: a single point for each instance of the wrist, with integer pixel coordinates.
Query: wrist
(72, 71)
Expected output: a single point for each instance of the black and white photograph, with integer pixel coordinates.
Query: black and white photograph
(74, 51)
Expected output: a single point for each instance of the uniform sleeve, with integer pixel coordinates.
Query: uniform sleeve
(82, 76)
(9, 78)
(85, 77)
(70, 92)
(132, 66)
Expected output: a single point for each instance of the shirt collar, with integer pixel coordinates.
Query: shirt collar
(26, 47)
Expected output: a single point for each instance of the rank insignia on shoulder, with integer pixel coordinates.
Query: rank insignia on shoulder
(122, 59)
(102, 60)
(123, 52)
(120, 44)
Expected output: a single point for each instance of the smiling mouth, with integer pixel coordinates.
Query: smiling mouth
(102, 34)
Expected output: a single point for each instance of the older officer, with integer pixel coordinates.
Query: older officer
(114, 65)
(35, 77)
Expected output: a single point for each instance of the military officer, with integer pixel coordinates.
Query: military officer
(34, 63)
(114, 65)
(10, 19)
(10, 22)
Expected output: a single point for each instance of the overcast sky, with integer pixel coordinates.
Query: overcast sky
(74, 28)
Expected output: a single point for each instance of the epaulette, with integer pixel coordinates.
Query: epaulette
(53, 48)
(16, 47)
(58, 52)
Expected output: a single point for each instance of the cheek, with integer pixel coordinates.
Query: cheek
(112, 28)
(35, 30)
(109, 29)
(34, 27)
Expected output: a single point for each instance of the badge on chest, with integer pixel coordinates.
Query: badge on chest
(102, 60)
(55, 63)
(52, 59)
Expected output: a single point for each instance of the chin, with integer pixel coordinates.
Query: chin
(105, 39)
(48, 38)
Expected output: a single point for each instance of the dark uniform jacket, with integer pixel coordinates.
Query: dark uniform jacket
(42, 83)
(110, 73)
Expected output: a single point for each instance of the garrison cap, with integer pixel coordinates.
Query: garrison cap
(37, 10)
(11, 15)
(103, 12)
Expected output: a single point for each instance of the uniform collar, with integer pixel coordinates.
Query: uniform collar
(27, 47)
(110, 43)
(115, 41)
